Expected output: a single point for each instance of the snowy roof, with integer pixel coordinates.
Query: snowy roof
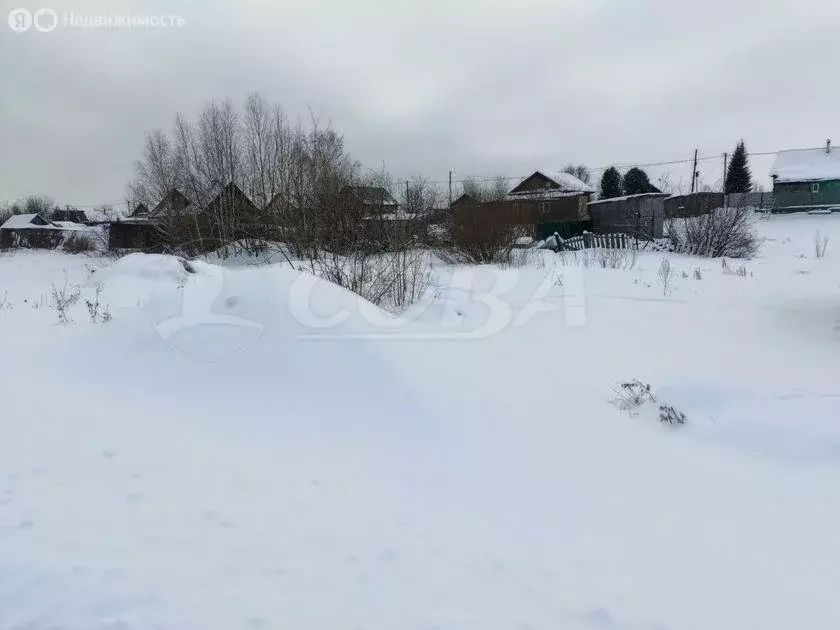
(567, 181)
(566, 186)
(102, 215)
(28, 222)
(70, 225)
(805, 165)
(626, 197)
(544, 193)
(18, 221)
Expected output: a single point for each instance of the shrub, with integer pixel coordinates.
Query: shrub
(723, 232)
(664, 274)
(616, 258)
(411, 275)
(482, 234)
(669, 415)
(820, 245)
(632, 395)
(741, 271)
(97, 311)
(63, 299)
(78, 244)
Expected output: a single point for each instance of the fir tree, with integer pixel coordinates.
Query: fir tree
(636, 182)
(738, 178)
(611, 184)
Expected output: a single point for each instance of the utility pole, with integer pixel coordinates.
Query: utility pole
(450, 189)
(725, 161)
(407, 202)
(694, 173)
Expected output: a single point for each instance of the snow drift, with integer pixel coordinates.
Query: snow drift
(246, 472)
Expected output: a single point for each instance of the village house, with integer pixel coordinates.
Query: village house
(35, 231)
(806, 179)
(232, 203)
(375, 200)
(546, 196)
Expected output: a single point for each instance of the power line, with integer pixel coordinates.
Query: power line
(620, 165)
(489, 178)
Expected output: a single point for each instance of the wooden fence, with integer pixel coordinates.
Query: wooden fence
(588, 240)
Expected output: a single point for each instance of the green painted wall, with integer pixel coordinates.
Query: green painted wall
(802, 194)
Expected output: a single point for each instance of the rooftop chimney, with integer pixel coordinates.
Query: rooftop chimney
(828, 146)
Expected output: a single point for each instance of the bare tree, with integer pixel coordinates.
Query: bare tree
(267, 140)
(300, 179)
(419, 197)
(158, 171)
(32, 204)
(666, 184)
(484, 191)
(580, 171)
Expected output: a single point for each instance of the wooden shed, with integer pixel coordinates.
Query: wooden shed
(693, 205)
(138, 233)
(642, 216)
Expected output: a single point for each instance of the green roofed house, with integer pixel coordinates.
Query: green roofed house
(806, 179)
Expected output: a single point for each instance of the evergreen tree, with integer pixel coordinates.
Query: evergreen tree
(611, 184)
(738, 178)
(636, 182)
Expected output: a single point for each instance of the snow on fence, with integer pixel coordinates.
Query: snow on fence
(588, 240)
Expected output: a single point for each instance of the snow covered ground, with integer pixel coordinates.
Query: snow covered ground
(245, 448)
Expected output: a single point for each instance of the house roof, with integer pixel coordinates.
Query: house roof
(37, 222)
(567, 181)
(283, 200)
(371, 195)
(174, 199)
(18, 221)
(465, 198)
(565, 185)
(231, 194)
(70, 225)
(806, 165)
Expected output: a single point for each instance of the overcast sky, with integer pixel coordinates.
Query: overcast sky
(476, 86)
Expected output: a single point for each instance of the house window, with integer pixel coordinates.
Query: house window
(815, 188)
(545, 207)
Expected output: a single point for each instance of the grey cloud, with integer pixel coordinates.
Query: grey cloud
(423, 87)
